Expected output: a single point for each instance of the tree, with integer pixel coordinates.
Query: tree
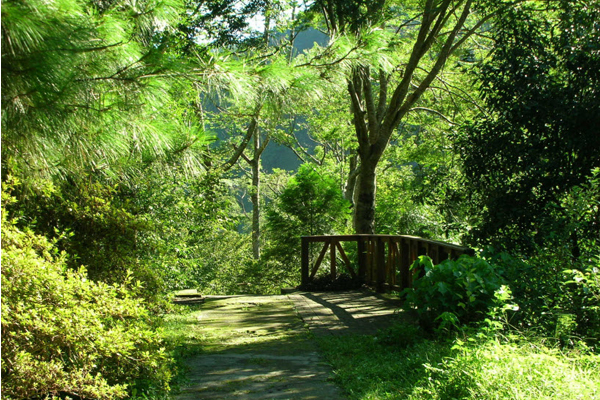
(310, 204)
(82, 83)
(539, 137)
(383, 90)
(91, 105)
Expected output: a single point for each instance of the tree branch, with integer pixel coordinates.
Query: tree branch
(252, 127)
(432, 111)
(441, 60)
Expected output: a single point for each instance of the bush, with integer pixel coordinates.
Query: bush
(102, 231)
(64, 335)
(554, 301)
(452, 292)
(310, 204)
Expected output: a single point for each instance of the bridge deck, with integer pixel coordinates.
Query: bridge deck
(349, 312)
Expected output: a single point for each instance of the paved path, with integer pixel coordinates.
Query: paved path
(257, 347)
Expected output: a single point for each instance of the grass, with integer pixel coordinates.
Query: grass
(402, 364)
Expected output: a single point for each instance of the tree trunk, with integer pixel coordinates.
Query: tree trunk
(255, 197)
(351, 181)
(364, 207)
(376, 114)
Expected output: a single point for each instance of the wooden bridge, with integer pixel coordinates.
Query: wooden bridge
(382, 261)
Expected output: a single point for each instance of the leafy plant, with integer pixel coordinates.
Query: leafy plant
(65, 335)
(311, 204)
(391, 367)
(97, 226)
(537, 139)
(452, 292)
(554, 301)
(511, 370)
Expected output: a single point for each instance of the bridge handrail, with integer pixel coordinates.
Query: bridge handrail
(383, 260)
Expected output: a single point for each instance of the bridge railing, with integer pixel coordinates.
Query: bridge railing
(383, 261)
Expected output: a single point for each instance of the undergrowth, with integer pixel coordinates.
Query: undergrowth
(404, 363)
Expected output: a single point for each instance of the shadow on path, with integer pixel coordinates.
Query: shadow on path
(257, 347)
(351, 312)
(254, 347)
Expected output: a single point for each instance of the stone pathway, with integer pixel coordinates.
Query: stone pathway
(257, 347)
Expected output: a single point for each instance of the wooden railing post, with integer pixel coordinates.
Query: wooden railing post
(380, 264)
(304, 262)
(333, 266)
(362, 259)
(405, 279)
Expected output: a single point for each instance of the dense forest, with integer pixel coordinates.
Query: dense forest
(151, 146)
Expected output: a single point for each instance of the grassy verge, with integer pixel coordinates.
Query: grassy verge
(402, 364)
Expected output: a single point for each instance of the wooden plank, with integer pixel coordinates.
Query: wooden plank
(362, 259)
(414, 254)
(405, 278)
(319, 260)
(370, 261)
(389, 263)
(304, 261)
(394, 262)
(434, 253)
(380, 265)
(346, 238)
(333, 266)
(346, 260)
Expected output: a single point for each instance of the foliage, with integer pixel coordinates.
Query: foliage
(538, 136)
(389, 367)
(574, 221)
(553, 301)
(168, 230)
(188, 216)
(557, 287)
(512, 370)
(218, 23)
(82, 83)
(452, 292)
(341, 17)
(65, 335)
(311, 204)
(94, 224)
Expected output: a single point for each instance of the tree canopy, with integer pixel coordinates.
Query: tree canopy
(539, 136)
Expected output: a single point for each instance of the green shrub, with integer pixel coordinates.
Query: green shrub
(554, 301)
(65, 335)
(582, 302)
(310, 204)
(103, 232)
(452, 292)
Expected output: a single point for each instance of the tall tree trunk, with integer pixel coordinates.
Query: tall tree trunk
(364, 206)
(351, 181)
(256, 208)
(255, 195)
